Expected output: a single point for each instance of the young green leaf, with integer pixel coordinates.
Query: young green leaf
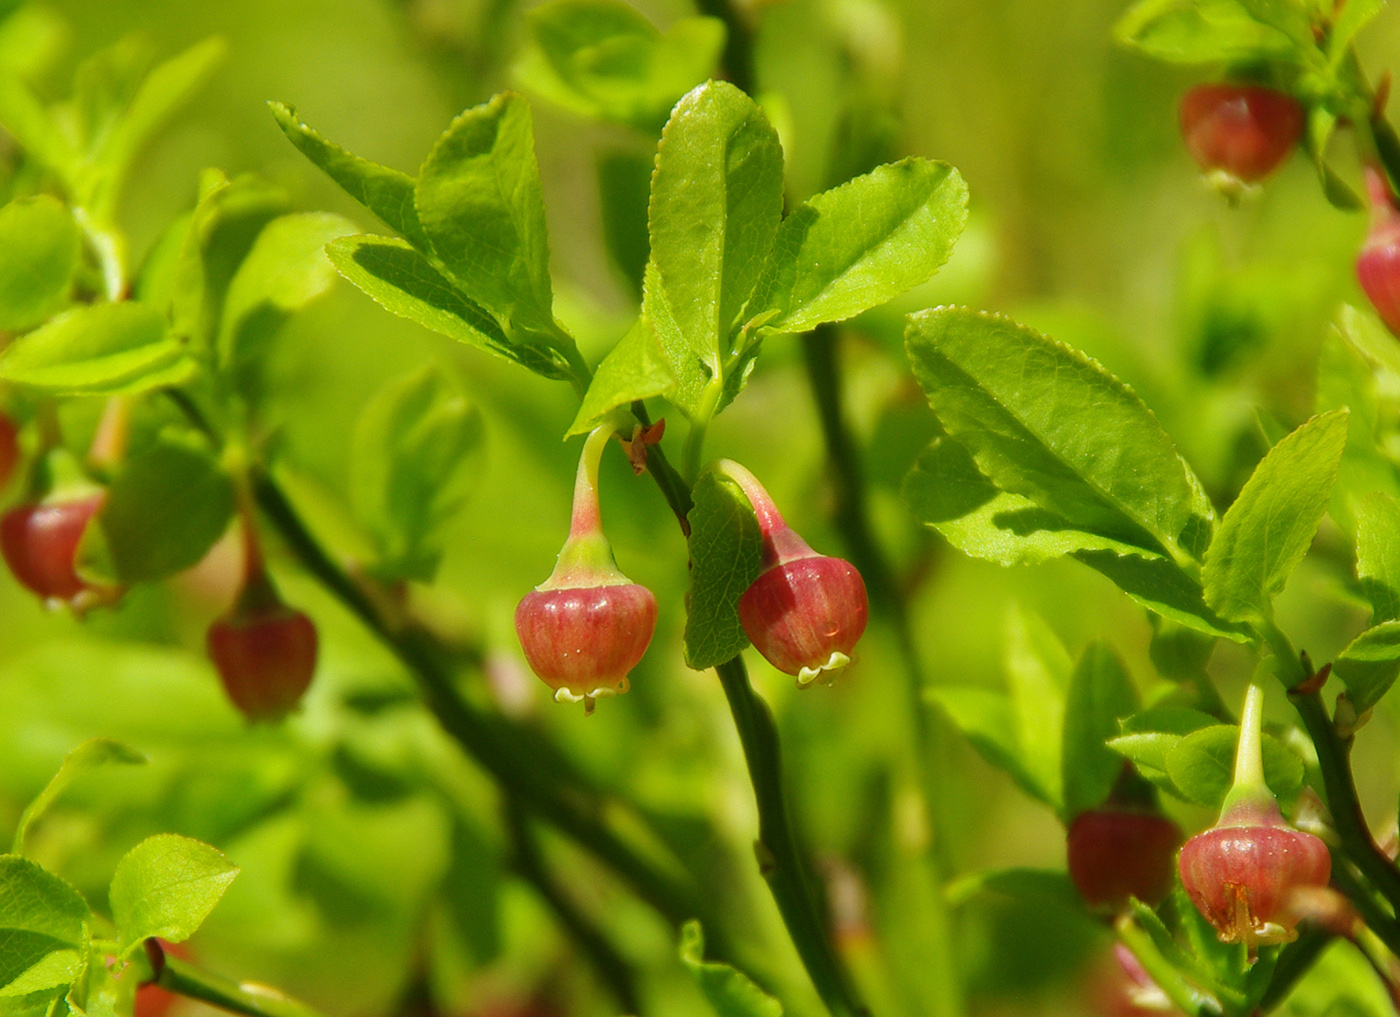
(1378, 555)
(166, 886)
(31, 125)
(726, 556)
(1202, 32)
(860, 245)
(404, 282)
(602, 59)
(716, 201)
(88, 756)
(1201, 765)
(164, 510)
(44, 926)
(479, 202)
(98, 349)
(388, 193)
(634, 369)
(1100, 695)
(1038, 670)
(39, 247)
(416, 450)
(1268, 529)
(1369, 666)
(1045, 422)
(986, 718)
(285, 270)
(730, 992)
(1149, 737)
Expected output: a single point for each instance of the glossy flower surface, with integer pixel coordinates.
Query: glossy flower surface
(806, 614)
(1242, 131)
(582, 642)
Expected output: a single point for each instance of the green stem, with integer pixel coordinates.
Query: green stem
(1186, 996)
(611, 966)
(1334, 760)
(237, 997)
(1363, 898)
(780, 858)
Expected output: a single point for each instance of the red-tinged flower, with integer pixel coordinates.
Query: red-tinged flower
(1240, 133)
(1246, 873)
(40, 544)
(1115, 854)
(1378, 265)
(9, 450)
(587, 626)
(806, 611)
(265, 652)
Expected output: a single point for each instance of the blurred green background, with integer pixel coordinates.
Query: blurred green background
(375, 875)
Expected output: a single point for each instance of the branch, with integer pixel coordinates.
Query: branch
(249, 998)
(779, 858)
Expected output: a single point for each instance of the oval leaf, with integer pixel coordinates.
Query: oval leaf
(39, 245)
(166, 886)
(726, 556)
(1202, 765)
(102, 349)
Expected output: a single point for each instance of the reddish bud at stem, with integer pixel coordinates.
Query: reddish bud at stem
(1242, 132)
(1116, 854)
(266, 658)
(40, 544)
(1378, 265)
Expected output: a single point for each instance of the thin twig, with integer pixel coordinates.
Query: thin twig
(249, 998)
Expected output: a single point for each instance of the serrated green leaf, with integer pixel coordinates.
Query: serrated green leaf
(1101, 693)
(1370, 664)
(1201, 32)
(98, 349)
(404, 282)
(1271, 525)
(164, 510)
(39, 247)
(987, 720)
(730, 992)
(416, 451)
(166, 886)
(388, 193)
(1045, 422)
(634, 369)
(1378, 555)
(43, 929)
(726, 556)
(602, 59)
(88, 756)
(716, 201)
(478, 200)
(285, 270)
(860, 245)
(1202, 764)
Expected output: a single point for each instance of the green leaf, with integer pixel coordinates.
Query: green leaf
(716, 201)
(26, 120)
(1038, 670)
(730, 992)
(163, 512)
(1353, 16)
(388, 193)
(1202, 766)
(44, 926)
(1045, 422)
(416, 451)
(1201, 32)
(88, 756)
(1268, 529)
(860, 245)
(1149, 737)
(166, 886)
(285, 270)
(726, 556)
(404, 282)
(1369, 665)
(624, 190)
(1378, 555)
(1021, 884)
(986, 718)
(634, 369)
(98, 349)
(602, 59)
(169, 86)
(479, 202)
(1100, 695)
(39, 247)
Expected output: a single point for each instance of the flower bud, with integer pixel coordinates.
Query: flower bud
(1115, 854)
(1244, 873)
(1239, 134)
(588, 625)
(1378, 265)
(806, 611)
(265, 652)
(40, 544)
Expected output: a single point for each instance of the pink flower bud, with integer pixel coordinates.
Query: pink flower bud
(1115, 854)
(266, 658)
(1378, 265)
(1242, 132)
(40, 544)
